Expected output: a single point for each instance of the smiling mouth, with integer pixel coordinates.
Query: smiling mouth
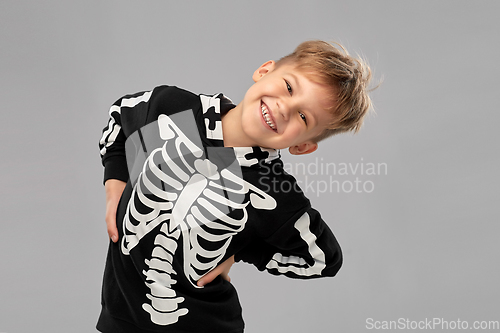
(267, 117)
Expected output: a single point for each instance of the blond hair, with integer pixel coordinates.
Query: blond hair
(347, 78)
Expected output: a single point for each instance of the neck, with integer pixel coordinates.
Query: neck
(231, 128)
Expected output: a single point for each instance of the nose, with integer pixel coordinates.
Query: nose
(284, 110)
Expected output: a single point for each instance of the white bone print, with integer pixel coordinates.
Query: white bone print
(189, 198)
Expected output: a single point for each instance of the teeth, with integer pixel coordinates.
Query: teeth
(267, 118)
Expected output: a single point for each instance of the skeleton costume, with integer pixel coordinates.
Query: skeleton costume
(189, 204)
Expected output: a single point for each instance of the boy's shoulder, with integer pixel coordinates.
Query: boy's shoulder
(178, 98)
(172, 95)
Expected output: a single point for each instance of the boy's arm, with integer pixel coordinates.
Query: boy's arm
(302, 248)
(114, 189)
(112, 142)
(113, 155)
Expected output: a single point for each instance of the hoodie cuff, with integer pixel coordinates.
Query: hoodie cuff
(115, 167)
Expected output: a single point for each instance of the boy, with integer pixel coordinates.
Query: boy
(189, 190)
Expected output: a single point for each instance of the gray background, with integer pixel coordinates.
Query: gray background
(422, 244)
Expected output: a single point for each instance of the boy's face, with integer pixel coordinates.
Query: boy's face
(284, 109)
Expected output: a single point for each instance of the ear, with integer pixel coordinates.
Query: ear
(303, 148)
(265, 68)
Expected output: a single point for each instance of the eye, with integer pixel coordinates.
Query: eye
(288, 87)
(303, 116)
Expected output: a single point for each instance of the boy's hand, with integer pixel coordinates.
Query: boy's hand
(222, 270)
(114, 189)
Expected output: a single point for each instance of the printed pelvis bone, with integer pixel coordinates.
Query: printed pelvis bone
(191, 196)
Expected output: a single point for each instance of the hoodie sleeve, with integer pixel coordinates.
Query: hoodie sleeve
(303, 248)
(125, 115)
